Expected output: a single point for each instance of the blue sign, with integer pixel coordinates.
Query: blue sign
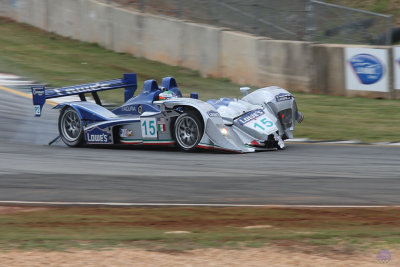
(97, 136)
(368, 68)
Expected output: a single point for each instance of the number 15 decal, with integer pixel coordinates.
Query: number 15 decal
(149, 128)
(266, 123)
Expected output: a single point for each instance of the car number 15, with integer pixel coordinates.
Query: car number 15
(263, 124)
(149, 127)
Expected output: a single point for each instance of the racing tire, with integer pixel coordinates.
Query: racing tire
(70, 127)
(188, 131)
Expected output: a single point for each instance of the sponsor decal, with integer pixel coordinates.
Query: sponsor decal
(283, 97)
(125, 133)
(250, 116)
(149, 127)
(84, 88)
(264, 123)
(38, 91)
(396, 67)
(97, 136)
(37, 110)
(161, 125)
(213, 114)
(367, 67)
(129, 108)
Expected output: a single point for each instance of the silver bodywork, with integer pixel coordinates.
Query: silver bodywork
(261, 120)
(238, 125)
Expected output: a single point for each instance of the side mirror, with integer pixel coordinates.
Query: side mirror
(245, 90)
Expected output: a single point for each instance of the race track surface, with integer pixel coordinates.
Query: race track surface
(309, 174)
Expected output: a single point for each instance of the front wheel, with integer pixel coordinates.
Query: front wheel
(188, 131)
(70, 127)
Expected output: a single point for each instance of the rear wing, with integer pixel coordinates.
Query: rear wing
(40, 94)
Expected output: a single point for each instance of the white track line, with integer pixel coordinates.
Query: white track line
(57, 203)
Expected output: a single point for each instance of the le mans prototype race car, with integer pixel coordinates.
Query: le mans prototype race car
(159, 115)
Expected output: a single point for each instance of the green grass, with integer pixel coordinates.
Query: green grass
(60, 61)
(388, 7)
(96, 228)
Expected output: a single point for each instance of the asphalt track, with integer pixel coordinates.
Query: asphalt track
(303, 174)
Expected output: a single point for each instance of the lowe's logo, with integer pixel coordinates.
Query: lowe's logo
(97, 136)
(250, 116)
(367, 67)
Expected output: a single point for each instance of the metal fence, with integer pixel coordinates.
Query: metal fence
(330, 23)
(307, 20)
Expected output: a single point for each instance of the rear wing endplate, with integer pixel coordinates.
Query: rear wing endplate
(40, 94)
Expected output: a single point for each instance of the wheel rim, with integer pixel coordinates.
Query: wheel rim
(187, 132)
(71, 125)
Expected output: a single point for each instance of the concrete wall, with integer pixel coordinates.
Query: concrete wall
(96, 23)
(261, 62)
(327, 60)
(286, 64)
(63, 17)
(4, 4)
(239, 59)
(127, 32)
(201, 49)
(215, 52)
(162, 39)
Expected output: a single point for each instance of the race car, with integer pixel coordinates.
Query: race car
(159, 115)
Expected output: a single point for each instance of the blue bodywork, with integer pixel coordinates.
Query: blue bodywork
(224, 101)
(96, 118)
(145, 99)
(92, 112)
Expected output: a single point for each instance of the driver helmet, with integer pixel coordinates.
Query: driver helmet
(166, 95)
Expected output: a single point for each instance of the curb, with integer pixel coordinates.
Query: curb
(345, 142)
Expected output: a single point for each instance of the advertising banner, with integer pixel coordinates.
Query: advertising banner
(396, 67)
(366, 69)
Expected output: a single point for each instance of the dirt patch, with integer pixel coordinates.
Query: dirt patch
(13, 210)
(267, 256)
(203, 218)
(330, 232)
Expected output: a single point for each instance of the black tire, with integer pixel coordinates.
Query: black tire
(188, 131)
(70, 127)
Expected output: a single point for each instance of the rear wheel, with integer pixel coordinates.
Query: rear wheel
(70, 127)
(188, 131)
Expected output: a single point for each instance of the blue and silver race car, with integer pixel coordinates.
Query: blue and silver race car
(159, 115)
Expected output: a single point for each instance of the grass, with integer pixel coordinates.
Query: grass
(387, 7)
(96, 228)
(60, 61)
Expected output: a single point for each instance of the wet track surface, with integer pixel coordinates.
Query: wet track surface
(314, 174)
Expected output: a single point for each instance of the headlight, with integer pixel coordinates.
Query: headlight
(224, 131)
